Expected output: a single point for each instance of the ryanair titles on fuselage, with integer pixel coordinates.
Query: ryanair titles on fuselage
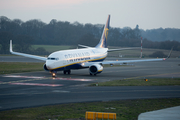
(75, 57)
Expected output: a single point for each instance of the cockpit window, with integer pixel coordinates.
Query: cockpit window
(53, 58)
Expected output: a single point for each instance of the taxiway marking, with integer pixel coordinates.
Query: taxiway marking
(37, 84)
(35, 77)
(18, 76)
(73, 79)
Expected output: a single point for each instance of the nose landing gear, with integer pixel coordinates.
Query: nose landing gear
(53, 73)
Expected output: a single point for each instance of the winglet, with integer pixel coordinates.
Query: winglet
(170, 53)
(10, 46)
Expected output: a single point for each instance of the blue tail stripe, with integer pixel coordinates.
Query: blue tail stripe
(103, 40)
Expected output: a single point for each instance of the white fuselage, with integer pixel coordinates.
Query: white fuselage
(73, 59)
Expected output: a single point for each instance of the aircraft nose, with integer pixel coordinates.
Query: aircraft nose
(49, 64)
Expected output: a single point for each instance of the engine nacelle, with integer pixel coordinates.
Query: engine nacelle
(45, 68)
(95, 69)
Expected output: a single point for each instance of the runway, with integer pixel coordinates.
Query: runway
(39, 88)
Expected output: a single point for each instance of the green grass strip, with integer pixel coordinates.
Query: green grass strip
(18, 67)
(124, 109)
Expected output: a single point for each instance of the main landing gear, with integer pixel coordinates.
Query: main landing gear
(67, 71)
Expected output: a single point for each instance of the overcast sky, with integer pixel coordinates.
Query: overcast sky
(148, 14)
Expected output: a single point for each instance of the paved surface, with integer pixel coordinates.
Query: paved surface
(39, 88)
(172, 113)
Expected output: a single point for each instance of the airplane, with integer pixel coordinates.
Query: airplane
(87, 57)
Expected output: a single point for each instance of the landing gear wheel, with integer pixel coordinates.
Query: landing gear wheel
(90, 73)
(67, 71)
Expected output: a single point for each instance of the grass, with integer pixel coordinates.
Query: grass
(124, 109)
(17, 67)
(141, 82)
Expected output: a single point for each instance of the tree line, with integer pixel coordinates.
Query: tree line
(25, 34)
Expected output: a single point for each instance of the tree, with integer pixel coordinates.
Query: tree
(159, 54)
(5, 37)
(23, 43)
(66, 33)
(41, 51)
(137, 32)
(88, 40)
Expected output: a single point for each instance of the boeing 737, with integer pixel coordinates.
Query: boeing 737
(88, 57)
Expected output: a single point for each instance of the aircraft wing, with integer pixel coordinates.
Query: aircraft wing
(130, 61)
(87, 64)
(140, 60)
(26, 55)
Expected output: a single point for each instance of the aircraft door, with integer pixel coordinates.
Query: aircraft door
(65, 60)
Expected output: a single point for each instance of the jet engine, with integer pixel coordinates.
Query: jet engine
(95, 69)
(45, 68)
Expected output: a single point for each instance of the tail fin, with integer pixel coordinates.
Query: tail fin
(103, 40)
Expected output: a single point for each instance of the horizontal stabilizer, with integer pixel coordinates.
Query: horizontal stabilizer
(112, 50)
(84, 46)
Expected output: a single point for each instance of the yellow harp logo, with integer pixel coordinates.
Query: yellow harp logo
(106, 32)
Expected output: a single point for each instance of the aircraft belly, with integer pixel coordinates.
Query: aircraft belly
(68, 67)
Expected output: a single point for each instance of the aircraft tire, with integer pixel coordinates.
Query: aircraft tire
(69, 71)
